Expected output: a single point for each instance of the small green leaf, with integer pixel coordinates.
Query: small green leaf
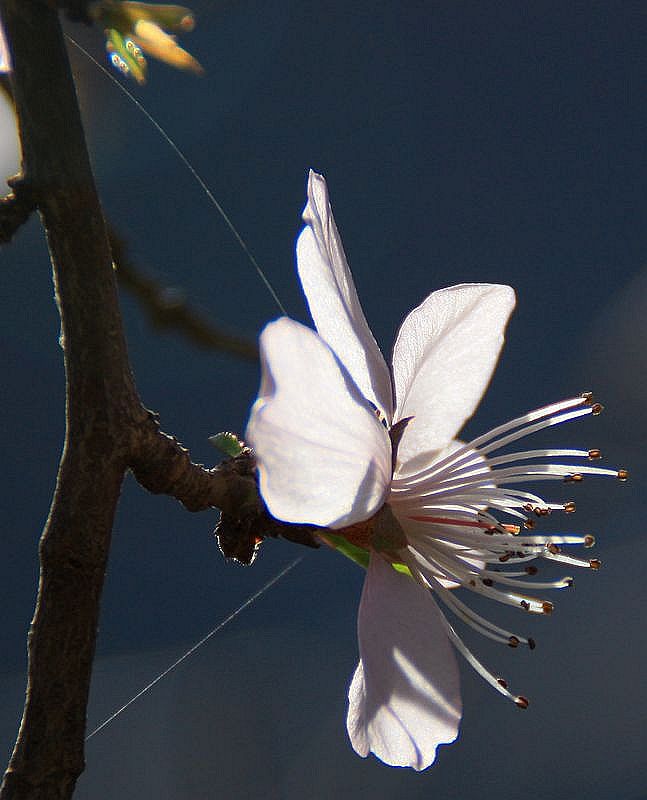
(228, 443)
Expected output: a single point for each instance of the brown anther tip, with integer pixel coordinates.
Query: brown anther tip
(595, 563)
(531, 570)
(547, 607)
(527, 507)
(587, 396)
(589, 540)
(553, 549)
(622, 474)
(594, 454)
(531, 643)
(570, 507)
(472, 582)
(522, 702)
(502, 682)
(525, 605)
(529, 524)
(487, 581)
(569, 582)
(597, 408)
(513, 641)
(574, 478)
(505, 557)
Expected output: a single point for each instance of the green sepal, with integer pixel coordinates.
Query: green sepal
(228, 443)
(358, 554)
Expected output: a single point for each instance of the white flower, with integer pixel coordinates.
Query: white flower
(344, 443)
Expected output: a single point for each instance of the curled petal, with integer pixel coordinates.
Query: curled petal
(443, 359)
(332, 298)
(404, 700)
(323, 456)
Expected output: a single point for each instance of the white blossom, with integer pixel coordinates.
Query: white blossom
(370, 453)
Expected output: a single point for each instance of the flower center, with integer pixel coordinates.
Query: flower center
(382, 532)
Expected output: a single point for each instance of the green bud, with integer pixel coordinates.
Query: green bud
(125, 55)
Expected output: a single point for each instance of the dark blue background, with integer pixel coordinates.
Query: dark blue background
(462, 141)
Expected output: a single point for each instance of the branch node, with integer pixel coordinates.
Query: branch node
(15, 208)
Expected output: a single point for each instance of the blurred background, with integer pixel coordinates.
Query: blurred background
(461, 141)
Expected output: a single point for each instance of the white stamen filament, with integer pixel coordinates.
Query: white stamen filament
(455, 541)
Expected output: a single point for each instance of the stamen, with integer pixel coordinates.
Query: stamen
(542, 417)
(592, 563)
(480, 624)
(497, 683)
(505, 578)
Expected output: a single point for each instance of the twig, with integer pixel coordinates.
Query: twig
(168, 309)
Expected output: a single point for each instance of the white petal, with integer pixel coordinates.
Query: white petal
(443, 359)
(404, 699)
(4, 52)
(332, 298)
(323, 456)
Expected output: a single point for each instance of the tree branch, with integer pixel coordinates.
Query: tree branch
(107, 428)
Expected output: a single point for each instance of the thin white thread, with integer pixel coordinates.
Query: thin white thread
(194, 647)
(191, 169)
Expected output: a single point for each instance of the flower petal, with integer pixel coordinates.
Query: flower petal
(5, 60)
(404, 699)
(332, 298)
(323, 456)
(443, 358)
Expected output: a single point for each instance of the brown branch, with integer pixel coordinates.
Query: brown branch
(167, 308)
(107, 428)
